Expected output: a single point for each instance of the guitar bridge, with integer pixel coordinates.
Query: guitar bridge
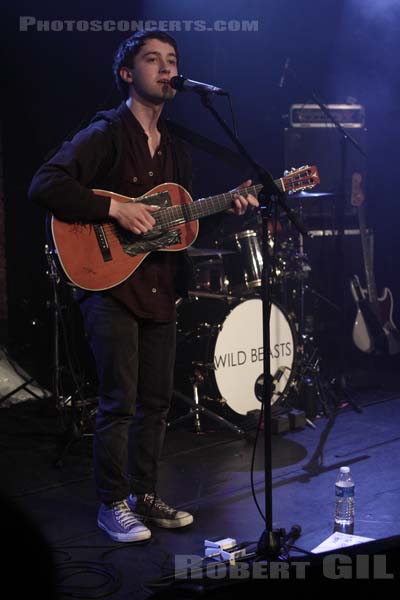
(103, 242)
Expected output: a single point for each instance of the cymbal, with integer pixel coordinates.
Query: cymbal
(304, 194)
(207, 251)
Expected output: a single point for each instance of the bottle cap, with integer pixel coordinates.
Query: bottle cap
(345, 469)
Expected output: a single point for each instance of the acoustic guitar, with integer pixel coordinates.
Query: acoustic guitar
(99, 256)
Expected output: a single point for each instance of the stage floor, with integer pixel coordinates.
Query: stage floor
(209, 475)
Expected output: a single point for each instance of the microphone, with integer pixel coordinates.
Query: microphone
(277, 377)
(284, 71)
(182, 84)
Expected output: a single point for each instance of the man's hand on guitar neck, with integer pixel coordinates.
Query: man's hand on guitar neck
(133, 216)
(137, 216)
(241, 203)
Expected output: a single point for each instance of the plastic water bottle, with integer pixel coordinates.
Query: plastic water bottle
(344, 509)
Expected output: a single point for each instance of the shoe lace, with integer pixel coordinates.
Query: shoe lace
(155, 501)
(124, 515)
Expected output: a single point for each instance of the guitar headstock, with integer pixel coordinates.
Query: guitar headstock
(303, 178)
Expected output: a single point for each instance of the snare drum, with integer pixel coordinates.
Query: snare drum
(224, 344)
(210, 276)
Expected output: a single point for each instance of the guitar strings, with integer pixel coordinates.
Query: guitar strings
(172, 216)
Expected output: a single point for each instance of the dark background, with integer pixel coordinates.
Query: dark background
(54, 81)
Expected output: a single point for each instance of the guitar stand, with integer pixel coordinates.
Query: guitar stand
(197, 410)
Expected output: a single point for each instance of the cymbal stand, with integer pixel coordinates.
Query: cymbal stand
(309, 359)
(307, 363)
(54, 304)
(73, 431)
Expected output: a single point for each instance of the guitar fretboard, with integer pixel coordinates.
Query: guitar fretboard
(177, 215)
(368, 262)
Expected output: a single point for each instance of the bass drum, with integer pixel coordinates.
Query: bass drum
(222, 344)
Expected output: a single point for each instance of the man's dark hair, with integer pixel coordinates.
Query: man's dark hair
(125, 55)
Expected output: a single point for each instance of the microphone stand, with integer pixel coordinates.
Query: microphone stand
(271, 541)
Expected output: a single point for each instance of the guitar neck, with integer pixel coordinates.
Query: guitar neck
(177, 215)
(369, 271)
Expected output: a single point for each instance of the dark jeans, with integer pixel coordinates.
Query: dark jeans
(135, 362)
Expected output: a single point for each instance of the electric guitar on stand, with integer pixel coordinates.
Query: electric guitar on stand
(374, 331)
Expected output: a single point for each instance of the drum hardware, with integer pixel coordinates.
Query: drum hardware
(309, 377)
(196, 410)
(197, 294)
(304, 194)
(192, 251)
(210, 276)
(220, 344)
(307, 371)
(197, 372)
(309, 381)
(215, 336)
(75, 400)
(243, 265)
(235, 268)
(309, 374)
(276, 395)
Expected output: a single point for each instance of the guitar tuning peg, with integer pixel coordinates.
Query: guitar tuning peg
(286, 172)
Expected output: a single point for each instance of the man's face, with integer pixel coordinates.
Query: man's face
(154, 65)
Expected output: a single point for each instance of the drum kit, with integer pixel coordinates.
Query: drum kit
(220, 343)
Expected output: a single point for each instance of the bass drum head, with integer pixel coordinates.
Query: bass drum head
(238, 354)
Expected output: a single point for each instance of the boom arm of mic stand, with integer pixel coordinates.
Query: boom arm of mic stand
(311, 94)
(269, 187)
(346, 135)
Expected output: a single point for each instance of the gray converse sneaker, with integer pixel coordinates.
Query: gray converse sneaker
(121, 524)
(151, 507)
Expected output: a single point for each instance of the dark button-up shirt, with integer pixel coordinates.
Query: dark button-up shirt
(150, 291)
